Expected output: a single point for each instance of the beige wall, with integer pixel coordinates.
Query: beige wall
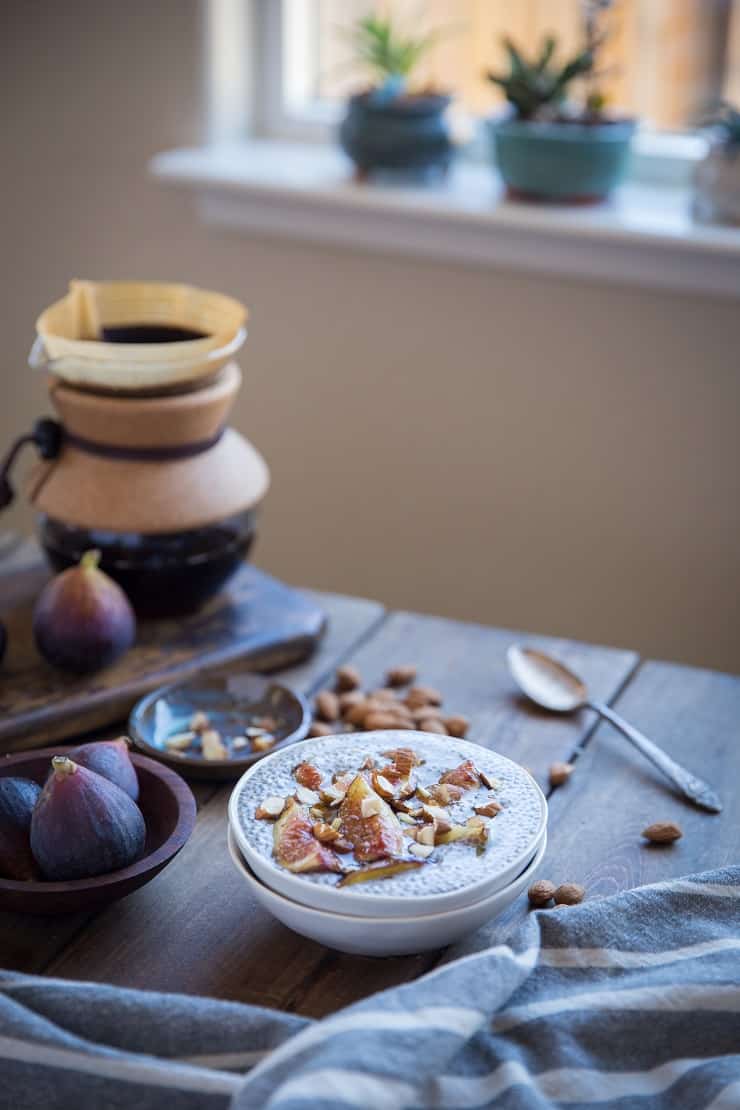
(543, 454)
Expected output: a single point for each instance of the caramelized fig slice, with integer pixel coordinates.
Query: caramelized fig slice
(375, 835)
(382, 871)
(294, 845)
(464, 775)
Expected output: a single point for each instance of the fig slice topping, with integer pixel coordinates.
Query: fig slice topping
(294, 845)
(380, 871)
(369, 823)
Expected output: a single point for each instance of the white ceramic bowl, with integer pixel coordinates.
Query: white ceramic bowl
(396, 936)
(456, 877)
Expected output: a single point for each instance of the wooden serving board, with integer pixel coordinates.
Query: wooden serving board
(255, 619)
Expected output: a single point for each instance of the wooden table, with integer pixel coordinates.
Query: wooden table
(196, 928)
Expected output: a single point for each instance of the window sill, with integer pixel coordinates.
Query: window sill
(643, 236)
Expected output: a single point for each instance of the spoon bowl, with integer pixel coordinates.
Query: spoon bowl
(552, 686)
(545, 681)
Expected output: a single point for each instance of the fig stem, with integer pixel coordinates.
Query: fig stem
(63, 765)
(90, 559)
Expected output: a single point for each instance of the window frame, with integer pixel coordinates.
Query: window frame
(245, 98)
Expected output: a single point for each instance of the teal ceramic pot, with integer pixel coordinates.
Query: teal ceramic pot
(577, 162)
(407, 133)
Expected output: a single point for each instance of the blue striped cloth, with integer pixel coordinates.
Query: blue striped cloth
(631, 1001)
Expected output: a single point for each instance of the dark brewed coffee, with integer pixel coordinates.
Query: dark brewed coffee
(148, 333)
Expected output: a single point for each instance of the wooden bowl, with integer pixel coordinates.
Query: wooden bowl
(168, 806)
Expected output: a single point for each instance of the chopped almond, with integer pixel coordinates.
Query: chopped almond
(212, 746)
(270, 808)
(307, 797)
(489, 809)
(370, 807)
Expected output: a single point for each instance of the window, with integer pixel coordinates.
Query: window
(667, 61)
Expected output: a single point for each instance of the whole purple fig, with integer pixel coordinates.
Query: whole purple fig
(17, 800)
(83, 619)
(111, 759)
(83, 825)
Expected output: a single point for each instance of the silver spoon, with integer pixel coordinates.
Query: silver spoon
(551, 685)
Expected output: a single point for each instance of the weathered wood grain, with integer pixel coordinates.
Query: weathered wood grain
(255, 619)
(230, 947)
(186, 888)
(597, 817)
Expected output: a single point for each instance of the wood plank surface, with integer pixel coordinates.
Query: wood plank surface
(29, 943)
(229, 947)
(596, 818)
(255, 619)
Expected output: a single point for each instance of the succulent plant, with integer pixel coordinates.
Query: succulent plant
(387, 53)
(538, 87)
(531, 86)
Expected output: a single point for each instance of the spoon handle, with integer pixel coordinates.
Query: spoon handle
(690, 786)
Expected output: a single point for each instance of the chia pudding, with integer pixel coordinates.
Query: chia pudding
(513, 833)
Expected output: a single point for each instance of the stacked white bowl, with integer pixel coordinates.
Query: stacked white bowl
(453, 892)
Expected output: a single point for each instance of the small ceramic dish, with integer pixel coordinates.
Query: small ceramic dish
(396, 936)
(168, 806)
(455, 876)
(232, 703)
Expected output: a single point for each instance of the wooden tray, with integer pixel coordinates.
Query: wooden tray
(255, 619)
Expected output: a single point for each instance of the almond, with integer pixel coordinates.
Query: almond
(444, 793)
(422, 851)
(356, 713)
(433, 724)
(342, 845)
(270, 808)
(377, 720)
(489, 808)
(326, 704)
(457, 726)
(318, 728)
(350, 699)
(384, 695)
(262, 743)
(541, 892)
(425, 835)
(307, 797)
(663, 832)
(560, 773)
(401, 675)
(422, 695)
(212, 746)
(325, 833)
(199, 721)
(180, 740)
(239, 742)
(382, 786)
(348, 677)
(569, 894)
(370, 807)
(492, 784)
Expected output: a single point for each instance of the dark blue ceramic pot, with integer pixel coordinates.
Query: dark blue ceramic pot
(407, 133)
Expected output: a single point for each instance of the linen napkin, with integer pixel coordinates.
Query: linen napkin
(630, 1001)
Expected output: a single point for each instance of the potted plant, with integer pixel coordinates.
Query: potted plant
(388, 127)
(717, 178)
(548, 147)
